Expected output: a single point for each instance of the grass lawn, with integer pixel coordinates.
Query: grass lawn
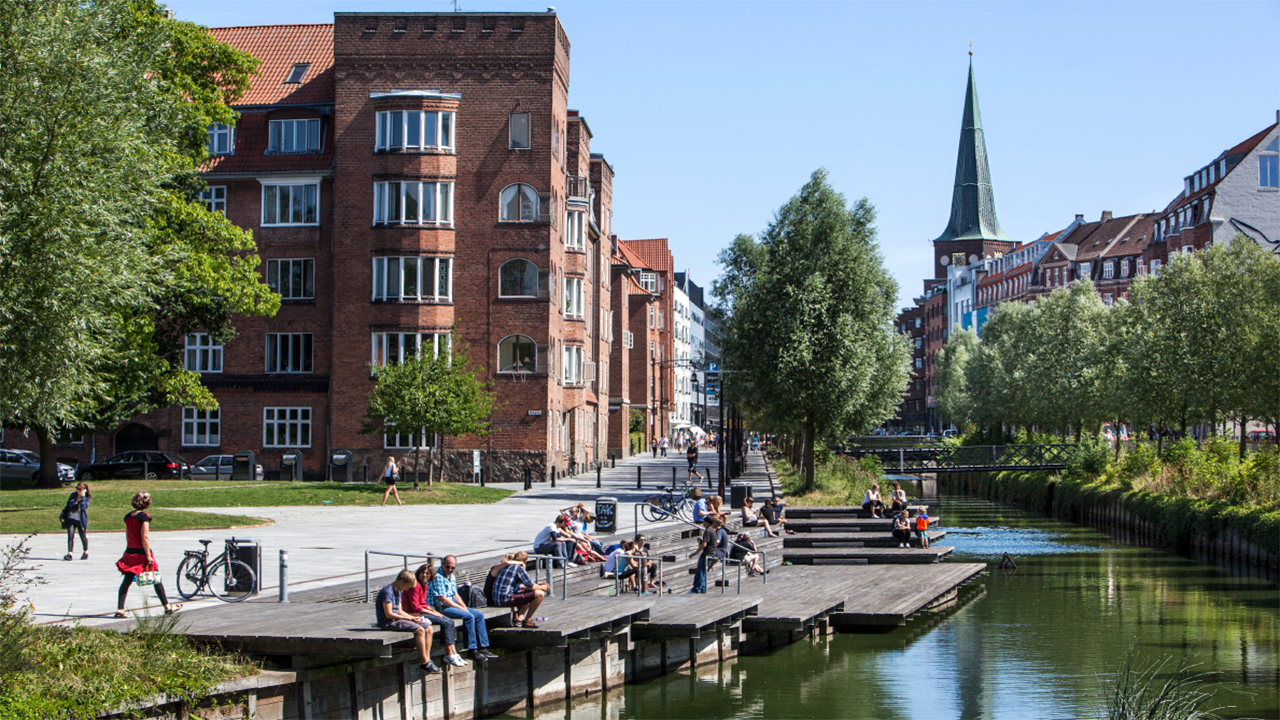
(25, 510)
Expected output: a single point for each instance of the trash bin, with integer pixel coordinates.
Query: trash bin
(606, 515)
(341, 464)
(249, 552)
(739, 492)
(291, 466)
(243, 466)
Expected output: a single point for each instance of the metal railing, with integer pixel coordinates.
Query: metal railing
(404, 556)
(550, 561)
(641, 574)
(764, 556)
(965, 458)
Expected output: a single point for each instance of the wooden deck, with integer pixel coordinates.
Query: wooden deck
(852, 539)
(689, 615)
(846, 525)
(871, 595)
(869, 555)
(577, 617)
(835, 512)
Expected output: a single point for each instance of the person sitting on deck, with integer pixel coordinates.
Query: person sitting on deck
(391, 617)
(442, 593)
(622, 568)
(897, 498)
(713, 508)
(649, 569)
(514, 589)
(755, 518)
(699, 505)
(902, 528)
(554, 539)
(922, 527)
(708, 546)
(772, 512)
(744, 551)
(579, 519)
(415, 602)
(872, 503)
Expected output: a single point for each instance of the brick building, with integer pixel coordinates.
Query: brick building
(415, 182)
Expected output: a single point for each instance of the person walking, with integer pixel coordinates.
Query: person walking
(692, 456)
(390, 474)
(663, 445)
(75, 518)
(138, 558)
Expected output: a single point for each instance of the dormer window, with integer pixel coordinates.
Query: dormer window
(294, 136)
(296, 74)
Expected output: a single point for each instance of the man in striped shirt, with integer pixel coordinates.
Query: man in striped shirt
(514, 589)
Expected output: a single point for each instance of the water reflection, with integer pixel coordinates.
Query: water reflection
(1035, 643)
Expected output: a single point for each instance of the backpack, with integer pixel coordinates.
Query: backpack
(473, 596)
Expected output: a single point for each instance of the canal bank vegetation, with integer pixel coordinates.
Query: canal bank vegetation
(79, 672)
(1197, 347)
(837, 479)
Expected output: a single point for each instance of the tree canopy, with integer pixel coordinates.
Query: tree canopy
(809, 340)
(108, 257)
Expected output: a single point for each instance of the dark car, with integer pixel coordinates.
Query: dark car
(149, 464)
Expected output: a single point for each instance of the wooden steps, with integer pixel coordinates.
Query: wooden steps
(838, 512)
(856, 539)
(845, 525)
(690, 615)
(868, 555)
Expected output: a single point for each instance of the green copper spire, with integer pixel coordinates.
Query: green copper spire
(973, 205)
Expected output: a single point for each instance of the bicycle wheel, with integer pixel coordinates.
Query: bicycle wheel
(651, 508)
(190, 577)
(685, 510)
(231, 580)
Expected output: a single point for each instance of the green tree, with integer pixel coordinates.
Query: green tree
(954, 400)
(809, 330)
(107, 256)
(430, 396)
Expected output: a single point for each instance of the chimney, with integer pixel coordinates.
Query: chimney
(1106, 215)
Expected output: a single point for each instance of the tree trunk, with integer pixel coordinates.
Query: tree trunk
(431, 466)
(1243, 423)
(1115, 429)
(48, 460)
(808, 451)
(417, 465)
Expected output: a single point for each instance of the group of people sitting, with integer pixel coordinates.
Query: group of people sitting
(567, 539)
(714, 546)
(874, 504)
(627, 561)
(902, 527)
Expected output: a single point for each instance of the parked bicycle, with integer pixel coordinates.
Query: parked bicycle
(227, 579)
(656, 508)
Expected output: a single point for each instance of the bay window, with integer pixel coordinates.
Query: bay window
(413, 203)
(291, 204)
(573, 356)
(410, 130)
(574, 230)
(412, 279)
(573, 297)
(394, 348)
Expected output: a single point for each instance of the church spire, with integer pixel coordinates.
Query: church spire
(973, 205)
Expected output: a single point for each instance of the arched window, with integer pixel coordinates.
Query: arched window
(518, 278)
(516, 354)
(519, 204)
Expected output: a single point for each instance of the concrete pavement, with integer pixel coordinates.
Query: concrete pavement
(327, 545)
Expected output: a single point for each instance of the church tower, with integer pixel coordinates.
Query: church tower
(973, 232)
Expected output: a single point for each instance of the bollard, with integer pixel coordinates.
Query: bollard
(637, 478)
(553, 477)
(528, 478)
(284, 576)
(598, 466)
(613, 460)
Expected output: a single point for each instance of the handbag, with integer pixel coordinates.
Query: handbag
(149, 577)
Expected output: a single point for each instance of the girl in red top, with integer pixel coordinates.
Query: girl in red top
(138, 557)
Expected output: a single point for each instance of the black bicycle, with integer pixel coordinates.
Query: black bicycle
(227, 579)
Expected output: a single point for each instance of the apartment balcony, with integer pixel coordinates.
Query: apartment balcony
(577, 188)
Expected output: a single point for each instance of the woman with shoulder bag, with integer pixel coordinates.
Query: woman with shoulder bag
(390, 474)
(138, 562)
(75, 518)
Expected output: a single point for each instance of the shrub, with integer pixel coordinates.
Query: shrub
(1140, 461)
(1088, 460)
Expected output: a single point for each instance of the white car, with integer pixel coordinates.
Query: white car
(218, 466)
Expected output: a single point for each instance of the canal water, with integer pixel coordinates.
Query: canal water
(1038, 642)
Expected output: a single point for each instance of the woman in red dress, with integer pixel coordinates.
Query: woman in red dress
(138, 557)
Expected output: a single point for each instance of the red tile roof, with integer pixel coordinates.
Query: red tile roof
(631, 257)
(654, 253)
(280, 47)
(1248, 145)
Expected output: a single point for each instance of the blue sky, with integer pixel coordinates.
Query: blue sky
(713, 114)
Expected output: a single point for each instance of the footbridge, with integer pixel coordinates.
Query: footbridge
(977, 458)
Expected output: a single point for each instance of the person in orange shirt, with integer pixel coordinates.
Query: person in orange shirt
(922, 527)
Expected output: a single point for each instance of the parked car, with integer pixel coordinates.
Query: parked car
(25, 465)
(949, 433)
(150, 464)
(215, 466)
(1262, 436)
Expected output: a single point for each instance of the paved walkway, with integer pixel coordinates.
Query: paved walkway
(326, 545)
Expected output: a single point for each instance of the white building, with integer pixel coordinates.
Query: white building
(681, 409)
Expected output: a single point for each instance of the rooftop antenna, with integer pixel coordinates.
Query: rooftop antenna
(455, 2)
(459, 9)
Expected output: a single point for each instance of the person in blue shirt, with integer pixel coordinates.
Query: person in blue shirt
(442, 593)
(699, 506)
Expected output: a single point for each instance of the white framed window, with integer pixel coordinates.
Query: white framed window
(573, 297)
(1269, 165)
(1124, 268)
(1155, 267)
(649, 281)
(574, 232)
(202, 355)
(404, 440)
(1106, 299)
(628, 339)
(289, 352)
(413, 203)
(286, 427)
(517, 354)
(292, 279)
(518, 277)
(201, 427)
(1108, 270)
(412, 279)
(572, 365)
(297, 73)
(395, 348)
(519, 203)
(220, 139)
(215, 198)
(412, 130)
(294, 136)
(519, 131)
(291, 204)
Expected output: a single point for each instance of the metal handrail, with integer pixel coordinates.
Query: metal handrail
(405, 556)
(564, 573)
(764, 556)
(640, 572)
